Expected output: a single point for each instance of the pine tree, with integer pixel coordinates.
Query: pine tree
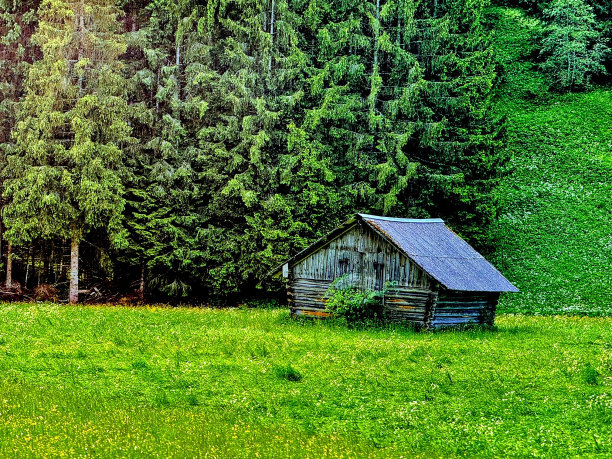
(65, 176)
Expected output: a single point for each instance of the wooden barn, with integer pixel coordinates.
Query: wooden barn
(437, 278)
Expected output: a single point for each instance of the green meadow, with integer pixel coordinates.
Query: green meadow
(181, 382)
(553, 234)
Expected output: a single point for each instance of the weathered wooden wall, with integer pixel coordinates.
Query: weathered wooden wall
(461, 308)
(307, 296)
(367, 261)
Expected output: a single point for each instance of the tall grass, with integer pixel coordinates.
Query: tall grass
(114, 381)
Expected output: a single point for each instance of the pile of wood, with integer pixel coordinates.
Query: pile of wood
(99, 293)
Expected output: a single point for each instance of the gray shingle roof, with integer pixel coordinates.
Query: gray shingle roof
(441, 253)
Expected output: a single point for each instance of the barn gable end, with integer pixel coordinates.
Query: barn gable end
(367, 261)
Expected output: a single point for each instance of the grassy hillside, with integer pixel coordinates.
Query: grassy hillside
(110, 381)
(555, 229)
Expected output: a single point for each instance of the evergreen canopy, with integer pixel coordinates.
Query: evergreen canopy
(194, 145)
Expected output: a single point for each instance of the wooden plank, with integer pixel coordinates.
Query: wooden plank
(458, 314)
(416, 309)
(317, 314)
(307, 307)
(463, 306)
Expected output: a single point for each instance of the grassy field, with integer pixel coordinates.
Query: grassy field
(111, 381)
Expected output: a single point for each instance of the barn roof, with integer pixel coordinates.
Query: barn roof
(432, 246)
(441, 253)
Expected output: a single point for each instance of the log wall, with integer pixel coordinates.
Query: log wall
(462, 308)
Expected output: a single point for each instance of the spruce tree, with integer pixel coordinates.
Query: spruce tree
(162, 209)
(251, 79)
(401, 96)
(64, 177)
(17, 23)
(335, 130)
(457, 140)
(365, 85)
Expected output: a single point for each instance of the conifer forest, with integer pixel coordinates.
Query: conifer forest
(181, 150)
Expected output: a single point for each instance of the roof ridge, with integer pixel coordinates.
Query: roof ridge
(397, 219)
(449, 258)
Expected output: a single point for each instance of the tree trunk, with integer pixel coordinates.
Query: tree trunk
(1, 238)
(399, 24)
(73, 296)
(27, 260)
(9, 267)
(141, 287)
(376, 35)
(36, 269)
(49, 257)
(81, 29)
(271, 36)
(60, 273)
(177, 113)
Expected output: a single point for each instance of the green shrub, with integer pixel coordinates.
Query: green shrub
(353, 304)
